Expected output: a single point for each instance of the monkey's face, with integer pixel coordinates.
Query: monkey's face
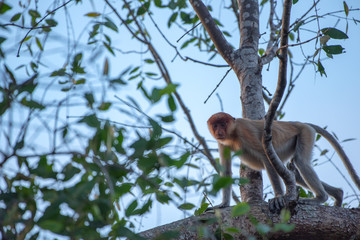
(218, 130)
(219, 125)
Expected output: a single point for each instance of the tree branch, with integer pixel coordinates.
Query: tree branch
(275, 161)
(221, 44)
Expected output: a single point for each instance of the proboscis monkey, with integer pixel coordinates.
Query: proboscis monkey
(291, 140)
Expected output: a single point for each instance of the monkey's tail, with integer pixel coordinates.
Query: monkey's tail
(340, 151)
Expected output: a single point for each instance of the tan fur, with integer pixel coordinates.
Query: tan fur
(290, 140)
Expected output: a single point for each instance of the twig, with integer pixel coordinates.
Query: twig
(227, 72)
(37, 23)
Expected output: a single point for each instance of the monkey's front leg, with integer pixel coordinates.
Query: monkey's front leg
(280, 200)
(225, 161)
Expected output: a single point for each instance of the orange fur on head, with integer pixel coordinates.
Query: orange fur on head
(218, 125)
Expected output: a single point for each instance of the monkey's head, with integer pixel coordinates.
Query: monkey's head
(219, 125)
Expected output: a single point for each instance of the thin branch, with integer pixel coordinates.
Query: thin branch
(37, 23)
(187, 32)
(220, 42)
(227, 72)
(272, 157)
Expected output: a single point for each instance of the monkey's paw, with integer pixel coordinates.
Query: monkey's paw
(277, 203)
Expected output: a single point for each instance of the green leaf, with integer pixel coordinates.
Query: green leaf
(2, 39)
(334, 33)
(295, 1)
(110, 24)
(172, 18)
(346, 9)
(4, 7)
(201, 210)
(70, 171)
(39, 44)
(104, 106)
(15, 17)
(321, 68)
(171, 103)
(162, 197)
(34, 13)
(93, 14)
(123, 189)
(32, 104)
(91, 121)
(158, 3)
(263, 228)
(186, 206)
(221, 182)
(333, 49)
(167, 119)
(298, 25)
(131, 208)
(60, 72)
(51, 22)
(90, 99)
(156, 129)
(53, 225)
(240, 209)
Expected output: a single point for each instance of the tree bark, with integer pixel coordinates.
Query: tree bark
(334, 223)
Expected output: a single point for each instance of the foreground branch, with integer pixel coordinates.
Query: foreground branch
(335, 223)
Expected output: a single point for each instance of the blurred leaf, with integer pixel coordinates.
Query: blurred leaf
(39, 44)
(220, 182)
(70, 171)
(110, 24)
(91, 121)
(15, 17)
(32, 104)
(321, 68)
(172, 18)
(143, 8)
(157, 131)
(51, 22)
(106, 67)
(346, 9)
(201, 210)
(263, 228)
(333, 49)
(93, 14)
(334, 33)
(162, 197)
(4, 7)
(34, 13)
(240, 209)
(53, 225)
(186, 206)
(90, 99)
(131, 208)
(104, 106)
(298, 25)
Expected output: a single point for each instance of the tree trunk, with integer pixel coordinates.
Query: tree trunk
(334, 223)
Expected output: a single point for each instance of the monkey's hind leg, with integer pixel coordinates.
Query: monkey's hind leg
(334, 192)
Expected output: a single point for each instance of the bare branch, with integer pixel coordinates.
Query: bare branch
(37, 23)
(222, 45)
(287, 176)
(272, 44)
